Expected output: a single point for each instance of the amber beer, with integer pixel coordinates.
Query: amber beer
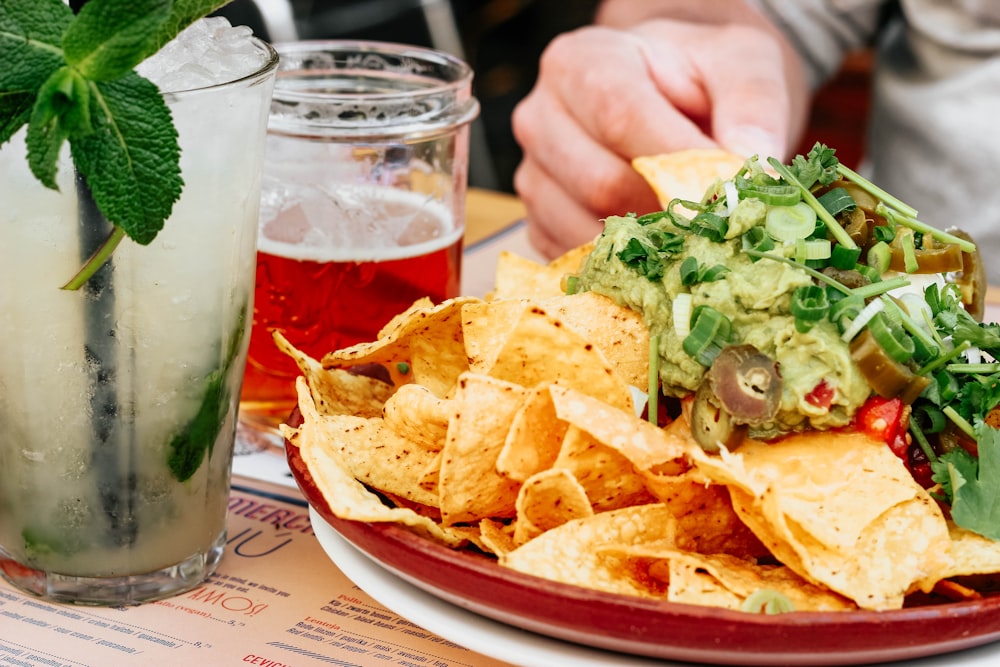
(362, 205)
(323, 300)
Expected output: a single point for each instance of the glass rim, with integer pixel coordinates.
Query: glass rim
(445, 81)
(462, 70)
(260, 72)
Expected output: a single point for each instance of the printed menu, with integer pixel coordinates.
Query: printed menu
(276, 600)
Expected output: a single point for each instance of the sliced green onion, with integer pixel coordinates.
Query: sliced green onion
(810, 249)
(891, 336)
(921, 439)
(959, 421)
(711, 226)
(844, 258)
(758, 240)
(844, 311)
(862, 320)
(934, 232)
(710, 332)
(875, 190)
(677, 219)
(834, 227)
(880, 256)
(884, 233)
(650, 218)
(653, 395)
(689, 271)
(713, 273)
(772, 195)
(767, 601)
(837, 201)
(930, 418)
(924, 345)
(870, 272)
(681, 311)
(809, 306)
(910, 263)
(789, 223)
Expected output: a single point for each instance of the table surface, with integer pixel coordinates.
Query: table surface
(487, 212)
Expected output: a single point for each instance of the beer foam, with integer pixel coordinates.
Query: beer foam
(352, 223)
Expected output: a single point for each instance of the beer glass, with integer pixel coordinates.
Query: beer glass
(362, 206)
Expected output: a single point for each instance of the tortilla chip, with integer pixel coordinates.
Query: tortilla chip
(539, 348)
(423, 345)
(872, 535)
(971, 553)
(470, 486)
(417, 415)
(686, 174)
(337, 391)
(347, 497)
(608, 477)
(644, 445)
(572, 260)
(371, 452)
(521, 278)
(534, 439)
(569, 553)
(721, 580)
(547, 500)
(497, 537)
(617, 331)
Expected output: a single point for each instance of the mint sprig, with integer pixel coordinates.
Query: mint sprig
(71, 78)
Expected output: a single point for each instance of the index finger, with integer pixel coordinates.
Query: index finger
(614, 98)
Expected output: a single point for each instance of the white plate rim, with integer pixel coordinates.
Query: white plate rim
(461, 626)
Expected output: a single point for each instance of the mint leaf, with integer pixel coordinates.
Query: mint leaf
(196, 440)
(30, 34)
(976, 497)
(70, 77)
(131, 159)
(110, 37)
(15, 109)
(62, 110)
(190, 445)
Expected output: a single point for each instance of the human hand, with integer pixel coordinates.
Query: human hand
(605, 96)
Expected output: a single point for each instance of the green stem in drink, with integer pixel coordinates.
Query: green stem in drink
(96, 260)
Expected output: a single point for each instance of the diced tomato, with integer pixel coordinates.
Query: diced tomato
(821, 396)
(888, 420)
(884, 419)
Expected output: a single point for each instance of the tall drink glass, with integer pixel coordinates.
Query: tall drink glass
(118, 401)
(363, 203)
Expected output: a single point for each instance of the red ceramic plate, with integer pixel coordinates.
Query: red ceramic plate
(657, 629)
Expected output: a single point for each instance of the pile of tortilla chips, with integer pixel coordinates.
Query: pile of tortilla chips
(512, 426)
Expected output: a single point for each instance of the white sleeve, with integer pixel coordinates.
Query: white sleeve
(824, 31)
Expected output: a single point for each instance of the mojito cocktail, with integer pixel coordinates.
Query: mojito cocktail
(118, 400)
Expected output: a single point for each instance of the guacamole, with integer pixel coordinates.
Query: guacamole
(821, 385)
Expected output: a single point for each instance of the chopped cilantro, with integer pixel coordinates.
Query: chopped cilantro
(973, 486)
(819, 166)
